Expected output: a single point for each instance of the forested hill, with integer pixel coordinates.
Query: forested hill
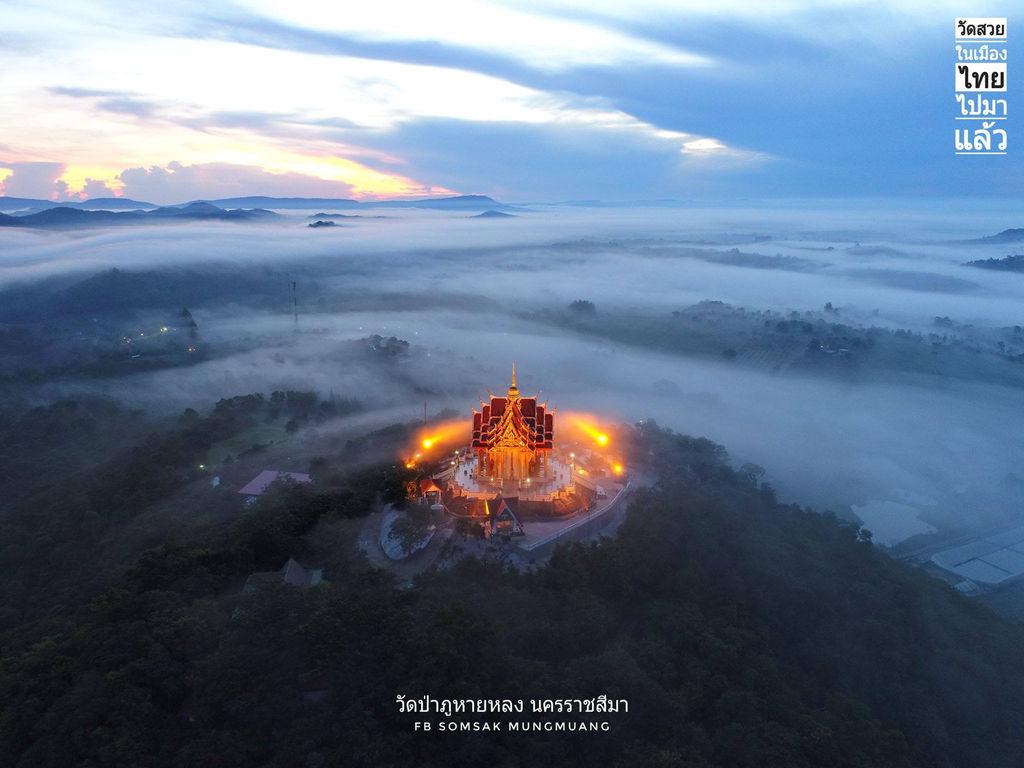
(741, 631)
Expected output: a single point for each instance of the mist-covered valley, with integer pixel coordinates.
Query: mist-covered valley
(765, 366)
(845, 348)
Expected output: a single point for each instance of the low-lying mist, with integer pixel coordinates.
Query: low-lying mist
(917, 438)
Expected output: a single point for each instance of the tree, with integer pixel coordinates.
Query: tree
(753, 473)
(583, 307)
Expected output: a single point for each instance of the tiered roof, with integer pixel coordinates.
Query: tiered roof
(513, 421)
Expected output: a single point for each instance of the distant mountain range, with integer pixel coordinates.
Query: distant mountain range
(456, 203)
(33, 205)
(61, 217)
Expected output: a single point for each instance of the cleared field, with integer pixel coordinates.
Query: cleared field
(261, 434)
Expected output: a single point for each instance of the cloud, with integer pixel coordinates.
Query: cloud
(36, 180)
(538, 40)
(128, 106)
(560, 161)
(171, 183)
(50, 181)
(96, 188)
(332, 109)
(84, 93)
(116, 102)
(177, 182)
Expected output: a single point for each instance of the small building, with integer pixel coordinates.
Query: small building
(259, 484)
(291, 574)
(986, 562)
(503, 521)
(429, 491)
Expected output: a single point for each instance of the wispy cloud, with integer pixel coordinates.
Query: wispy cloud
(536, 39)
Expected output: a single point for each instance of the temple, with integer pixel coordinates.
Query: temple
(512, 475)
(512, 436)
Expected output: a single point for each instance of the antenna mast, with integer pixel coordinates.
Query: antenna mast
(295, 304)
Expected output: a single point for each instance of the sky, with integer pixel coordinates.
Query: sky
(523, 101)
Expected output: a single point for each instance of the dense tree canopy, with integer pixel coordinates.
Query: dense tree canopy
(742, 632)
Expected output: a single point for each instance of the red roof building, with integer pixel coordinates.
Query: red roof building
(512, 434)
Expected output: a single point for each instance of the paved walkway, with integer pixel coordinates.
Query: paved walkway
(407, 569)
(542, 533)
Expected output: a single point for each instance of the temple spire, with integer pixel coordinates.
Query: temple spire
(512, 388)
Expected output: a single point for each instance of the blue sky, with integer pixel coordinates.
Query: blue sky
(522, 101)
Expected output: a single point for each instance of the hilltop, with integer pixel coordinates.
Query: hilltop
(492, 214)
(734, 626)
(1012, 263)
(1006, 236)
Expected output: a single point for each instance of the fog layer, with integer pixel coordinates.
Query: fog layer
(907, 445)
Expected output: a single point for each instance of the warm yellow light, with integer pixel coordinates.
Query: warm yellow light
(440, 435)
(586, 423)
(363, 179)
(617, 468)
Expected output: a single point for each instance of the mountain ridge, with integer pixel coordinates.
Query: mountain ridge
(62, 217)
(453, 202)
